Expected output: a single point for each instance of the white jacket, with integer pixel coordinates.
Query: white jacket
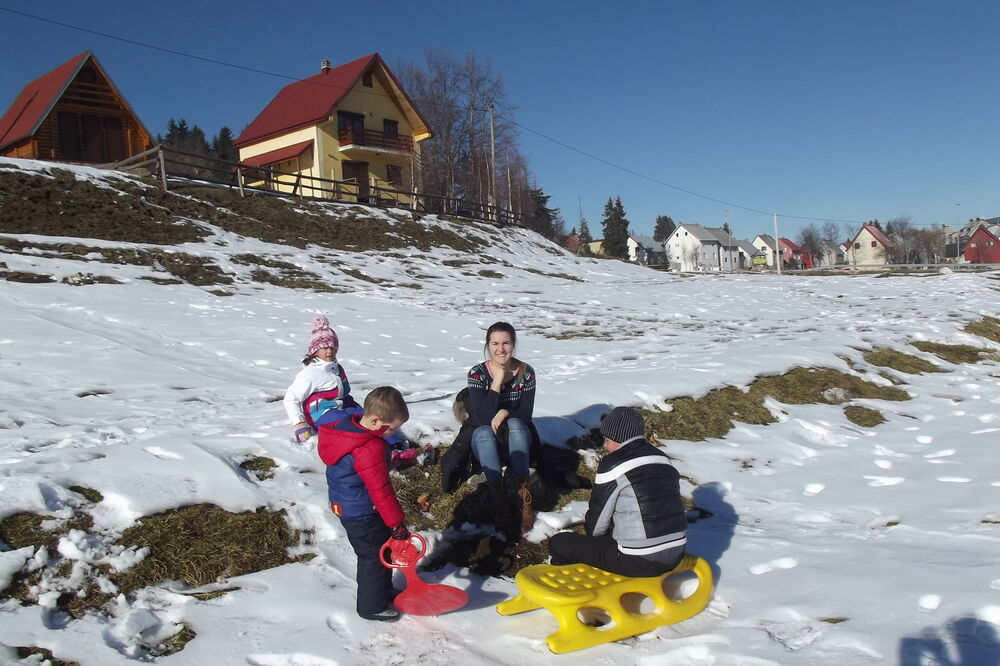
(315, 377)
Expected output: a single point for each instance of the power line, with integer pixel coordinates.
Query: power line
(537, 133)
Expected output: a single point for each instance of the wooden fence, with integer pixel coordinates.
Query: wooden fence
(169, 164)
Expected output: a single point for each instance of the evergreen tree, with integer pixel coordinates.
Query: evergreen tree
(222, 146)
(663, 227)
(585, 236)
(539, 217)
(615, 229)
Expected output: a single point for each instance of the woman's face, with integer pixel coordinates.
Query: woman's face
(501, 347)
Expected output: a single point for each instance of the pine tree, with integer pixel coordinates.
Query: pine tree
(663, 227)
(222, 146)
(585, 236)
(615, 229)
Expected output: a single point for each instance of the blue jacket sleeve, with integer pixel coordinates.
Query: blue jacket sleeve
(483, 403)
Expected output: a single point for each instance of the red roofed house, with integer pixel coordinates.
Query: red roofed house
(983, 246)
(793, 255)
(869, 247)
(353, 122)
(72, 114)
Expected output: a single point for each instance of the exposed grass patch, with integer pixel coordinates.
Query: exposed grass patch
(354, 273)
(713, 415)
(90, 494)
(833, 620)
(491, 274)
(26, 277)
(295, 281)
(261, 467)
(202, 543)
(23, 529)
(174, 644)
(863, 416)
(897, 360)
(956, 353)
(987, 327)
(562, 276)
(46, 656)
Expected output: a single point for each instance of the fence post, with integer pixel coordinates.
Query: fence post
(163, 169)
(239, 179)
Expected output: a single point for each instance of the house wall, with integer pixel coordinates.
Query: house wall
(862, 252)
(327, 161)
(982, 248)
(305, 164)
(759, 243)
(686, 252)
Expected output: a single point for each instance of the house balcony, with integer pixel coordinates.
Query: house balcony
(373, 141)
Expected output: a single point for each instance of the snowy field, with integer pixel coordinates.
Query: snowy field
(837, 545)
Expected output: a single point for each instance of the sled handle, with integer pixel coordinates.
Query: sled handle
(403, 553)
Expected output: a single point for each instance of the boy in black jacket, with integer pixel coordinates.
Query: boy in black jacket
(635, 522)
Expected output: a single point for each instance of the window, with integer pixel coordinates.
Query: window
(857, 246)
(874, 243)
(989, 243)
(390, 126)
(366, 79)
(973, 244)
(394, 175)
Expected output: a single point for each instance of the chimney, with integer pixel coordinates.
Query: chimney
(324, 66)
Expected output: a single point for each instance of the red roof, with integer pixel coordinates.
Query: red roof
(792, 246)
(313, 100)
(876, 233)
(32, 106)
(279, 155)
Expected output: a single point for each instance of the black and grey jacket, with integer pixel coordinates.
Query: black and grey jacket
(636, 496)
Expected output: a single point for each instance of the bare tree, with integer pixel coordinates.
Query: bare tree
(455, 96)
(811, 241)
(901, 234)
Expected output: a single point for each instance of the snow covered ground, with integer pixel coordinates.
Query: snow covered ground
(151, 394)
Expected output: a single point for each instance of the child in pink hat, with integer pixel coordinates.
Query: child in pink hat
(321, 393)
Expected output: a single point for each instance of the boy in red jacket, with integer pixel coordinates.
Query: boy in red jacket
(357, 476)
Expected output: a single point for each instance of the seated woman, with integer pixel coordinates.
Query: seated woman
(501, 401)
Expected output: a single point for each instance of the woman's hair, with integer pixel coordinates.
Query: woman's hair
(500, 326)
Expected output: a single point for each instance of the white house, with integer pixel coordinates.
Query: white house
(692, 247)
(869, 247)
(644, 251)
(765, 243)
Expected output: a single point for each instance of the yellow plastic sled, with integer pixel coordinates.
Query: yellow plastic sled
(576, 593)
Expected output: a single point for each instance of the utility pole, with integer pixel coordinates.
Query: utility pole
(730, 228)
(777, 245)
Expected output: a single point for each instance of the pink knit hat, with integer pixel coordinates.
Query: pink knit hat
(322, 337)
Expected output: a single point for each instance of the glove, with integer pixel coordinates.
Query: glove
(400, 533)
(303, 432)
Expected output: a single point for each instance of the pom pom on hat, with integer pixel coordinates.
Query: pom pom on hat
(623, 424)
(322, 337)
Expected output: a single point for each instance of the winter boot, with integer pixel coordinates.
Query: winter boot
(527, 514)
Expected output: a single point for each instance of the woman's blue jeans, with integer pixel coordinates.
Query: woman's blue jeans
(486, 449)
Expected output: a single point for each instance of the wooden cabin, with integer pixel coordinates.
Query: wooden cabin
(73, 113)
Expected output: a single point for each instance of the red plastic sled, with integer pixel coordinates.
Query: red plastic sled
(419, 598)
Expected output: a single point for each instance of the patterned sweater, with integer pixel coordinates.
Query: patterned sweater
(516, 396)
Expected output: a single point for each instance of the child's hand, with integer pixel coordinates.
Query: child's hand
(303, 431)
(400, 533)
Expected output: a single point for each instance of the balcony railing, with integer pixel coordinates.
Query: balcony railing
(375, 140)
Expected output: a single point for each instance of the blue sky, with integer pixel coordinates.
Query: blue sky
(833, 110)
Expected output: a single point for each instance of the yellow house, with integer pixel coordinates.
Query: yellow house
(350, 123)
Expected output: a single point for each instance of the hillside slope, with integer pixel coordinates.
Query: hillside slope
(154, 391)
